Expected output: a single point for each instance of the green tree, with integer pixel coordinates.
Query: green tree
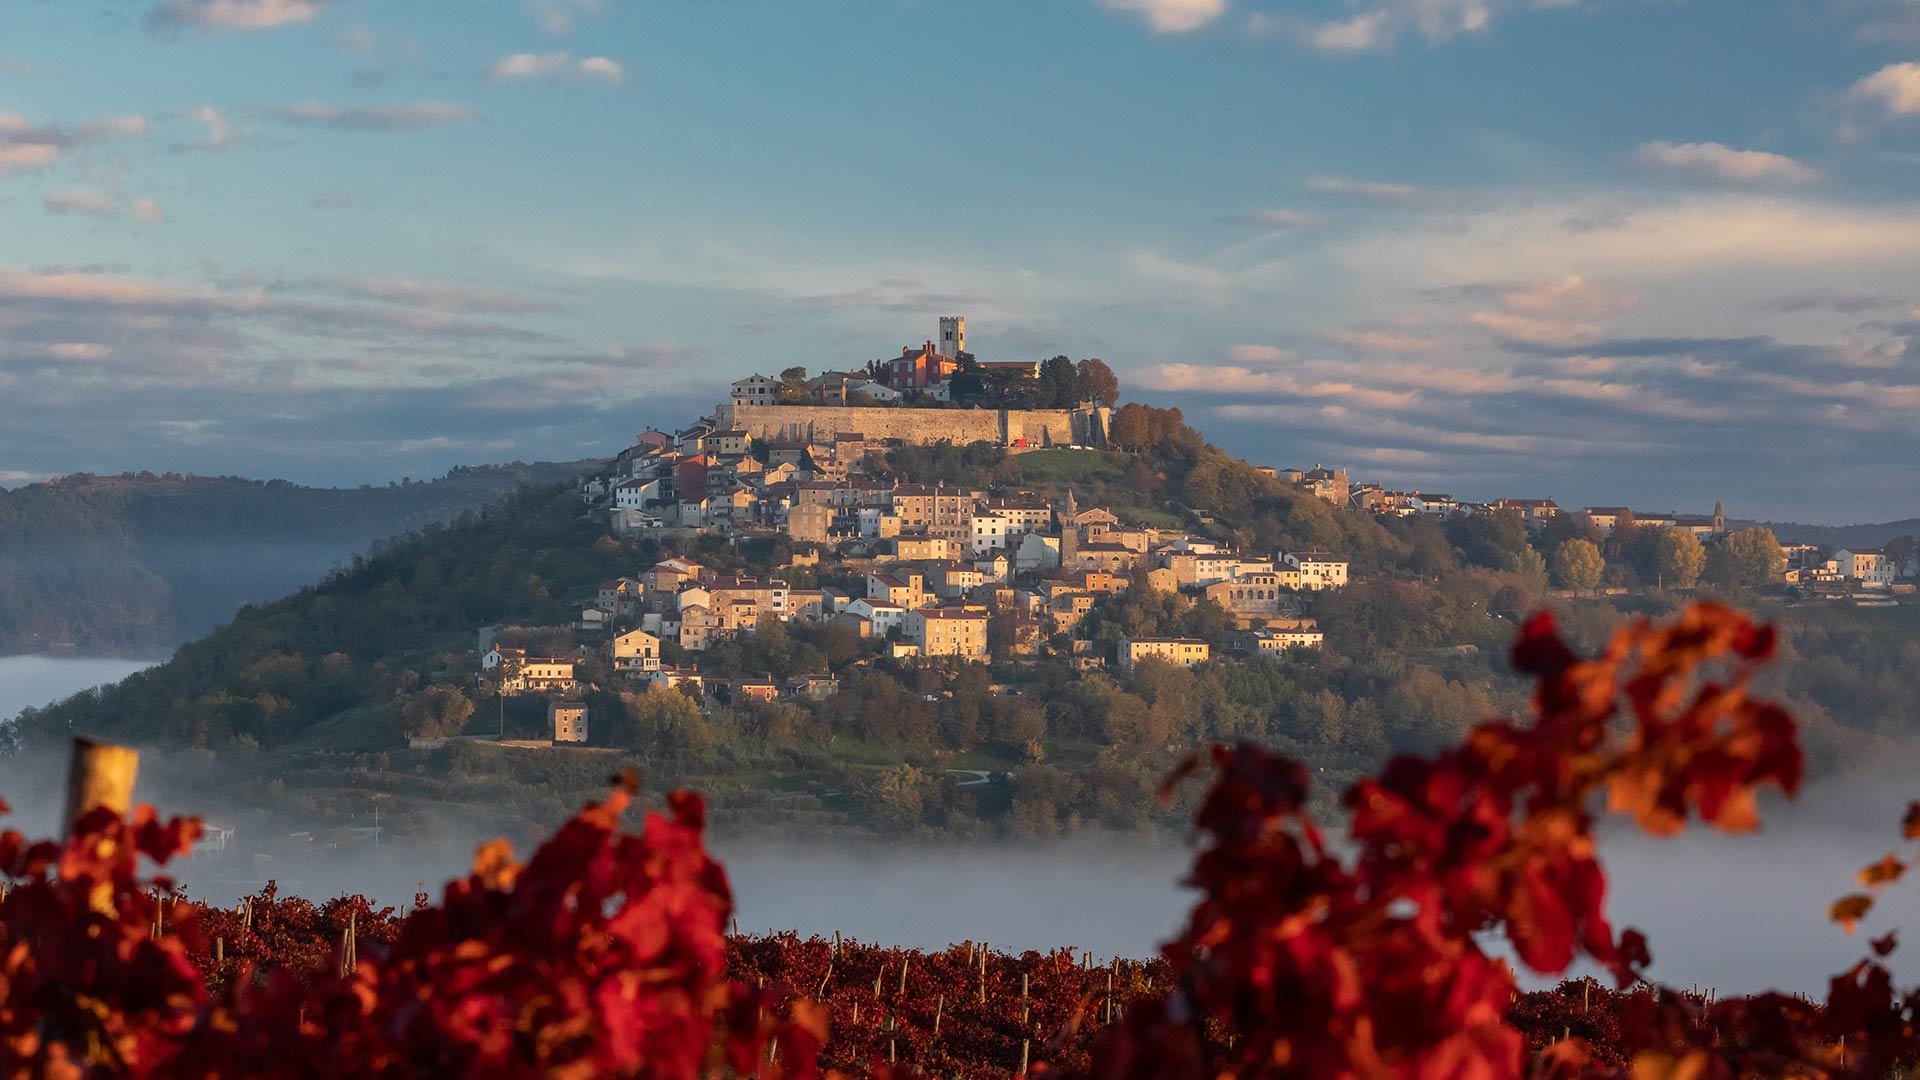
(793, 386)
(1098, 382)
(1678, 558)
(1756, 558)
(1059, 384)
(1577, 565)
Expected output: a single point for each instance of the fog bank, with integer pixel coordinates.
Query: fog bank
(32, 681)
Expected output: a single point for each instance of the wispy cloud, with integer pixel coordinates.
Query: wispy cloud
(94, 204)
(217, 132)
(1258, 354)
(1170, 16)
(1379, 24)
(1383, 339)
(233, 15)
(29, 147)
(1717, 162)
(555, 65)
(102, 205)
(448, 296)
(401, 116)
(563, 16)
(1380, 191)
(1279, 218)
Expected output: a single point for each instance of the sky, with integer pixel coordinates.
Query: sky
(1639, 252)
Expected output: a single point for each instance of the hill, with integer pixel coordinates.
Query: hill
(1839, 536)
(137, 563)
(299, 710)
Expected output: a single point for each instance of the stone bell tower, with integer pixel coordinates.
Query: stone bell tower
(953, 335)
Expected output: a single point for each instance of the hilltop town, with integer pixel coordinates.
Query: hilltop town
(1003, 601)
(946, 573)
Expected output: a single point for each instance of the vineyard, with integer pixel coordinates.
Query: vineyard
(607, 952)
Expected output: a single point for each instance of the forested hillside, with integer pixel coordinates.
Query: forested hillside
(301, 709)
(137, 563)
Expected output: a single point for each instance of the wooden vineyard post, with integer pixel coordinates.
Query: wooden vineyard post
(1025, 1045)
(939, 1010)
(99, 775)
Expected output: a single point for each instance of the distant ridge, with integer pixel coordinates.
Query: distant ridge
(1871, 535)
(137, 563)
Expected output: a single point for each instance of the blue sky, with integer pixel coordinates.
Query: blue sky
(1615, 251)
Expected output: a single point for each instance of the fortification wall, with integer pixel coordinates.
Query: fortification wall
(820, 423)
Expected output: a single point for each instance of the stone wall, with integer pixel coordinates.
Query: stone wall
(820, 423)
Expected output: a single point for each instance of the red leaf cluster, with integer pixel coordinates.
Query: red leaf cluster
(605, 954)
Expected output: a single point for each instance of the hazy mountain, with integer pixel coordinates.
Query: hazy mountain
(1844, 535)
(137, 563)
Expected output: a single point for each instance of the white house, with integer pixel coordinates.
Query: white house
(991, 532)
(1869, 566)
(873, 393)
(636, 650)
(1318, 570)
(882, 617)
(755, 390)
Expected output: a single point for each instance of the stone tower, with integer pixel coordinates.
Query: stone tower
(1719, 519)
(953, 335)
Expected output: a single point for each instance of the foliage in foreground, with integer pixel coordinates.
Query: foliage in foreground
(606, 953)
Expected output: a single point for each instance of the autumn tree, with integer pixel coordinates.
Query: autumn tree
(433, 713)
(1098, 382)
(1131, 429)
(1679, 558)
(1754, 557)
(1577, 565)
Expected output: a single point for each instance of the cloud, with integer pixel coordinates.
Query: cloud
(1838, 303)
(421, 293)
(236, 15)
(91, 204)
(145, 209)
(331, 200)
(1894, 88)
(1744, 233)
(1379, 25)
(1714, 161)
(401, 116)
(1383, 339)
(360, 40)
(1258, 354)
(1366, 190)
(1559, 312)
(29, 147)
(218, 132)
(1281, 218)
(561, 16)
(1361, 33)
(28, 157)
(555, 65)
(1170, 16)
